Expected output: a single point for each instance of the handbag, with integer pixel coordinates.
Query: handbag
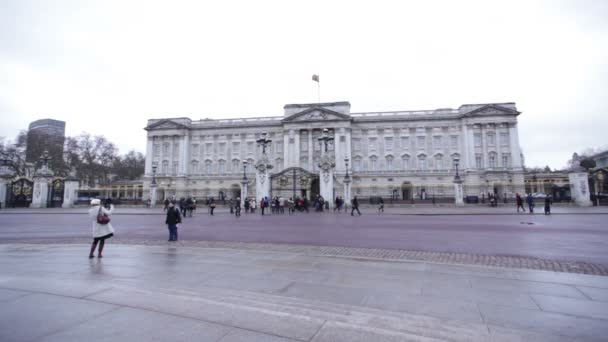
(102, 218)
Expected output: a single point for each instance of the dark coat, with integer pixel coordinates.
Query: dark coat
(355, 203)
(173, 216)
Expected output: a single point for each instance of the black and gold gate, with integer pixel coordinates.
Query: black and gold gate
(56, 195)
(293, 182)
(20, 194)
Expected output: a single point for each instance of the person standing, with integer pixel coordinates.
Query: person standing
(548, 205)
(102, 228)
(380, 204)
(252, 205)
(172, 221)
(530, 201)
(231, 204)
(237, 207)
(520, 202)
(262, 205)
(211, 205)
(355, 205)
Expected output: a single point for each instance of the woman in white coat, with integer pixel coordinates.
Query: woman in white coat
(100, 231)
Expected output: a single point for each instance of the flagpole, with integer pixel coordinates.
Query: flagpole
(318, 92)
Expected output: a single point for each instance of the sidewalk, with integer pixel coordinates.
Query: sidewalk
(177, 293)
(403, 210)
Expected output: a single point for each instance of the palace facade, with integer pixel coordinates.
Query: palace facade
(402, 155)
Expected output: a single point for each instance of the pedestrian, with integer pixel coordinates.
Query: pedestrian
(381, 204)
(262, 205)
(102, 228)
(355, 206)
(548, 205)
(172, 221)
(237, 207)
(211, 205)
(166, 204)
(252, 205)
(291, 205)
(231, 204)
(520, 202)
(530, 201)
(246, 204)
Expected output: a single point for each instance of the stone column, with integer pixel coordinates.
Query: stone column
(287, 156)
(184, 155)
(458, 193)
(484, 148)
(41, 191)
(70, 192)
(516, 161)
(153, 195)
(326, 178)
(464, 147)
(310, 151)
(338, 151)
(262, 177)
(579, 188)
(347, 184)
(149, 156)
(244, 184)
(296, 148)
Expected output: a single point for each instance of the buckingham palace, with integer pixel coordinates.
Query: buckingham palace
(402, 155)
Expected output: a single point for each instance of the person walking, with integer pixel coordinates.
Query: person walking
(102, 228)
(548, 205)
(355, 206)
(291, 205)
(252, 205)
(166, 204)
(520, 202)
(530, 201)
(380, 204)
(262, 205)
(237, 207)
(211, 205)
(231, 204)
(172, 221)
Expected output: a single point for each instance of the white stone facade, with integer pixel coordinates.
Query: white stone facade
(403, 154)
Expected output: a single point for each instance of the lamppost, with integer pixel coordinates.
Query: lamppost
(263, 141)
(458, 192)
(325, 139)
(244, 183)
(244, 170)
(347, 181)
(154, 166)
(153, 186)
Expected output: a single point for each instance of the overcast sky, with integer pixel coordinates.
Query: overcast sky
(105, 67)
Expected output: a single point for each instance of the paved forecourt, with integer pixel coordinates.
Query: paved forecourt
(53, 292)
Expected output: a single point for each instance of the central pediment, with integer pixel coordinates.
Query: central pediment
(317, 114)
(491, 110)
(165, 124)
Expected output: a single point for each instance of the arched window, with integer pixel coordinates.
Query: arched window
(422, 162)
(165, 167)
(405, 162)
(278, 164)
(315, 164)
(221, 167)
(208, 167)
(357, 164)
(373, 163)
(389, 163)
(194, 165)
(439, 162)
(236, 166)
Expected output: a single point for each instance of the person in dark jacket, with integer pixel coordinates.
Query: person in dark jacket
(355, 206)
(520, 202)
(380, 204)
(548, 205)
(530, 201)
(172, 221)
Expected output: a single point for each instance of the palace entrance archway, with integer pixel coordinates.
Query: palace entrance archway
(406, 190)
(294, 181)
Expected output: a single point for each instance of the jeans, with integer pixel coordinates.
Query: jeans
(172, 232)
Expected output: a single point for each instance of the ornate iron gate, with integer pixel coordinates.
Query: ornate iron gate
(20, 194)
(56, 195)
(293, 181)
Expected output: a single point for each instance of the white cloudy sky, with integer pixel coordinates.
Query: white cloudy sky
(106, 67)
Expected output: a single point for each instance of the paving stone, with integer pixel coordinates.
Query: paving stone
(239, 335)
(523, 286)
(327, 293)
(128, 324)
(595, 293)
(6, 295)
(571, 306)
(445, 290)
(544, 322)
(337, 332)
(37, 315)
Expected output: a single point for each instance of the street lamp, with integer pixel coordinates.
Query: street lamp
(263, 142)
(244, 170)
(154, 166)
(456, 163)
(325, 139)
(346, 160)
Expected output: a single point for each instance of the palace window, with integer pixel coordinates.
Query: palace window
(250, 147)
(504, 139)
(176, 150)
(373, 164)
(421, 143)
(278, 164)
(236, 148)
(165, 167)
(174, 168)
(357, 145)
(491, 139)
(208, 167)
(195, 150)
(304, 143)
(236, 166)
(439, 162)
(405, 162)
(279, 147)
(357, 164)
(454, 142)
(389, 163)
(221, 167)
(437, 141)
(388, 144)
(372, 144)
(194, 167)
(156, 150)
(422, 162)
(505, 160)
(405, 143)
(477, 139)
(315, 164)
(166, 149)
(209, 149)
(492, 159)
(478, 161)
(222, 148)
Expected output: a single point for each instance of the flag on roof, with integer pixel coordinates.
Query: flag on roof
(315, 78)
